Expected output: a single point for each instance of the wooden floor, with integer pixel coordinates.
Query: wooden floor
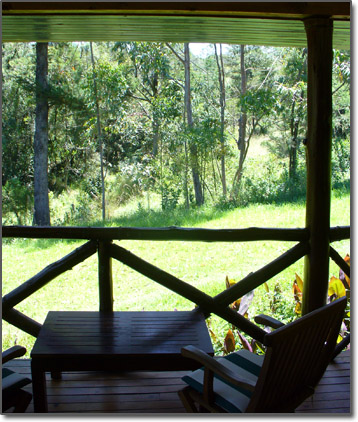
(156, 392)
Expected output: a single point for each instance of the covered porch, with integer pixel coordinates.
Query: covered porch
(321, 27)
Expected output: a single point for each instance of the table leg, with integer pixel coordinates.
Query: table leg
(39, 388)
(56, 375)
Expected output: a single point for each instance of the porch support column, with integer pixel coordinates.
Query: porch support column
(319, 142)
(105, 280)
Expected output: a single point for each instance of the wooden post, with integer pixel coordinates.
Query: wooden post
(105, 281)
(319, 141)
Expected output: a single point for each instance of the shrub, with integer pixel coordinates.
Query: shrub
(340, 160)
(120, 188)
(269, 182)
(17, 203)
(73, 207)
(170, 197)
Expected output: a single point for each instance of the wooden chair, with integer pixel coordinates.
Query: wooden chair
(12, 393)
(297, 355)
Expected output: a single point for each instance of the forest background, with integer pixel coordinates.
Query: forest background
(149, 135)
(152, 123)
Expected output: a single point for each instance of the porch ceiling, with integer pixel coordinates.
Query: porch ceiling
(270, 24)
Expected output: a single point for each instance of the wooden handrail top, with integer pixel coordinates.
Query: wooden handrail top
(339, 233)
(162, 233)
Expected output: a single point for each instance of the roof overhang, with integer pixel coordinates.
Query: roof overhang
(256, 23)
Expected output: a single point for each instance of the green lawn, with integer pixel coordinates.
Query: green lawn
(204, 265)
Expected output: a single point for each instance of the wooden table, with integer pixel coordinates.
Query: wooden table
(114, 341)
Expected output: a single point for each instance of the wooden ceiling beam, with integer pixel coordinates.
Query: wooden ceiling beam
(339, 10)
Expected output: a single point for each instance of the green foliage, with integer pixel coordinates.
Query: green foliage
(268, 182)
(341, 65)
(258, 102)
(170, 197)
(121, 188)
(337, 288)
(340, 160)
(92, 186)
(233, 337)
(18, 112)
(146, 145)
(73, 208)
(16, 203)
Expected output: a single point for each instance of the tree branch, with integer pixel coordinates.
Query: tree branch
(338, 88)
(176, 54)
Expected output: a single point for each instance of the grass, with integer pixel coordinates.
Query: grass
(204, 265)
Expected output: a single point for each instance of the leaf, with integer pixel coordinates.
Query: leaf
(229, 283)
(348, 259)
(299, 282)
(245, 302)
(236, 305)
(266, 287)
(213, 335)
(297, 288)
(229, 342)
(298, 308)
(245, 344)
(336, 288)
(342, 276)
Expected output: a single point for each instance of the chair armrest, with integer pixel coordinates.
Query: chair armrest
(12, 353)
(215, 366)
(268, 321)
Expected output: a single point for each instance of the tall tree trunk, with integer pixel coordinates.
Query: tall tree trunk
(221, 74)
(41, 200)
(242, 144)
(295, 120)
(186, 189)
(243, 117)
(155, 128)
(155, 120)
(192, 147)
(294, 123)
(99, 133)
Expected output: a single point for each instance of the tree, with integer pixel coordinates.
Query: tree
(189, 116)
(242, 142)
(341, 116)
(221, 75)
(255, 103)
(69, 150)
(99, 134)
(193, 150)
(151, 84)
(18, 113)
(41, 199)
(288, 127)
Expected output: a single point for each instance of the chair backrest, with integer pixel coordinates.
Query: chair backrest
(297, 356)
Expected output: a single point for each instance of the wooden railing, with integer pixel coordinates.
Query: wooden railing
(100, 240)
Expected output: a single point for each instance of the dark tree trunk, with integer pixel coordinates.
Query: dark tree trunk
(242, 143)
(41, 200)
(155, 121)
(99, 133)
(294, 143)
(192, 147)
(243, 117)
(156, 138)
(221, 74)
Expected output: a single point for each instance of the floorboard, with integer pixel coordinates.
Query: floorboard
(148, 392)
